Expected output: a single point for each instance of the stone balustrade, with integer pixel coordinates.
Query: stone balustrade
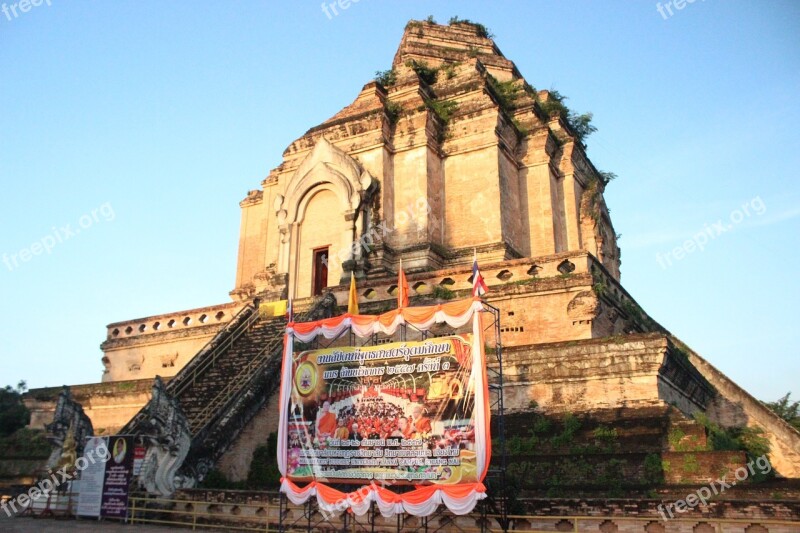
(181, 320)
(460, 278)
(496, 275)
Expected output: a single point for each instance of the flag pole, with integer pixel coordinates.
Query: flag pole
(402, 296)
(479, 287)
(400, 276)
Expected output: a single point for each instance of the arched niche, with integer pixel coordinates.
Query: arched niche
(320, 207)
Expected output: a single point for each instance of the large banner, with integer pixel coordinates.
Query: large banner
(398, 413)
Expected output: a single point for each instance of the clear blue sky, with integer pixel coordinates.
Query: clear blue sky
(166, 113)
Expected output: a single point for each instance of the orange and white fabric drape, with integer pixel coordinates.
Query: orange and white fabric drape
(454, 314)
(422, 501)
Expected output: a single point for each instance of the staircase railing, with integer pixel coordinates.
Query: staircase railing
(212, 408)
(216, 406)
(206, 357)
(185, 379)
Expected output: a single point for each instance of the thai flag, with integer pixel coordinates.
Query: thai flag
(479, 287)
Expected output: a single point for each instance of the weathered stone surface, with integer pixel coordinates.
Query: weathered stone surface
(547, 514)
(457, 166)
(108, 405)
(160, 345)
(235, 464)
(733, 406)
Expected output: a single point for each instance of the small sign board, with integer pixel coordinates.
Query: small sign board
(107, 468)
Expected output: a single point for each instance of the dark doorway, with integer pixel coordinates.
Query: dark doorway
(320, 276)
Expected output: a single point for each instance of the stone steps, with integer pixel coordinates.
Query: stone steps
(612, 449)
(249, 347)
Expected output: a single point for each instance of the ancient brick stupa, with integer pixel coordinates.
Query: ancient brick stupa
(450, 154)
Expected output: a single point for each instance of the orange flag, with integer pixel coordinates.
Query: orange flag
(402, 288)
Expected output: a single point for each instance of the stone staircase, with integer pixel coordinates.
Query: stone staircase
(612, 452)
(225, 384)
(210, 389)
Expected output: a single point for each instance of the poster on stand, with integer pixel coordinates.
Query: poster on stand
(118, 475)
(106, 474)
(91, 483)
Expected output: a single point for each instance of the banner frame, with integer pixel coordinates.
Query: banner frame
(455, 314)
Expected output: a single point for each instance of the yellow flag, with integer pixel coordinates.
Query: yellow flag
(352, 301)
(272, 309)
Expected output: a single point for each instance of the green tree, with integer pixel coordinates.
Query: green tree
(387, 78)
(13, 413)
(264, 473)
(580, 123)
(786, 409)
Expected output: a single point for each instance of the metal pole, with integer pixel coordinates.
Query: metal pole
(280, 511)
